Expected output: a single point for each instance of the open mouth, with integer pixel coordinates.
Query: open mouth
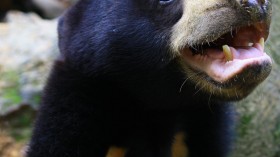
(231, 53)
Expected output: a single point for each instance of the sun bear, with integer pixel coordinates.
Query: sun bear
(151, 78)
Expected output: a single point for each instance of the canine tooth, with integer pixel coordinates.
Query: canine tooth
(261, 42)
(227, 53)
(250, 44)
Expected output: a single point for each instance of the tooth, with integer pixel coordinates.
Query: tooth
(250, 44)
(261, 42)
(227, 53)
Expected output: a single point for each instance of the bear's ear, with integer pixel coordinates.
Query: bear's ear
(60, 31)
(60, 21)
(157, 2)
(164, 13)
(60, 25)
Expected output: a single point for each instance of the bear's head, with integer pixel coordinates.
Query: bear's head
(167, 48)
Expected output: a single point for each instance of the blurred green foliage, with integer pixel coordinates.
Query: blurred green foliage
(11, 91)
(18, 126)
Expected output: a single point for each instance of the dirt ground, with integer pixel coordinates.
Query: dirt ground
(10, 148)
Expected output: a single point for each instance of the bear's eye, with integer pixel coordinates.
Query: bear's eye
(164, 2)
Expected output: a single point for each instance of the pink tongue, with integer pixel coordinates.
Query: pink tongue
(238, 52)
(247, 52)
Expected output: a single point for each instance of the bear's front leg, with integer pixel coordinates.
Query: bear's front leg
(67, 124)
(210, 131)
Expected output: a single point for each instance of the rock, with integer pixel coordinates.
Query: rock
(28, 46)
(53, 8)
(45, 8)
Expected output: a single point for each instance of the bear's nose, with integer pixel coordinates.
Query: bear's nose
(252, 3)
(257, 9)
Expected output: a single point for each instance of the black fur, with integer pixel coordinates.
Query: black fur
(117, 85)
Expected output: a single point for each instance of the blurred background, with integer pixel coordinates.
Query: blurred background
(28, 45)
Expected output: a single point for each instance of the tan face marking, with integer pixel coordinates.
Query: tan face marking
(179, 147)
(203, 21)
(116, 152)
